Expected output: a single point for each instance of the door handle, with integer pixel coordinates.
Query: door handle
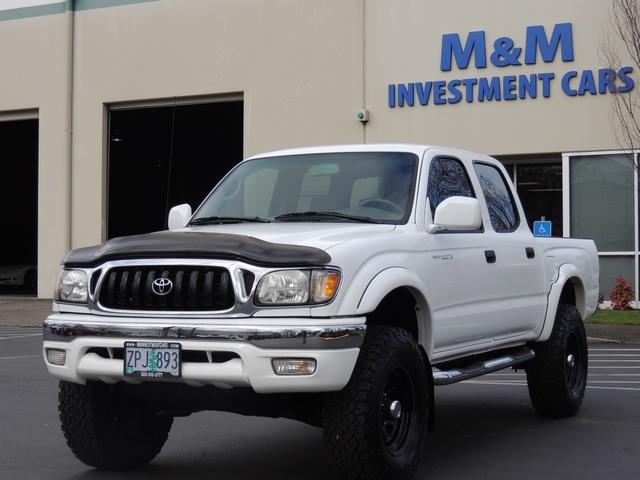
(531, 253)
(490, 255)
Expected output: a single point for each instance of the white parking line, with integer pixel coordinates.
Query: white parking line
(522, 384)
(590, 375)
(21, 336)
(613, 381)
(614, 366)
(614, 388)
(20, 356)
(614, 355)
(616, 360)
(614, 349)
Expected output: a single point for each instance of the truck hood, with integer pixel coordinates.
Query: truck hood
(310, 234)
(280, 244)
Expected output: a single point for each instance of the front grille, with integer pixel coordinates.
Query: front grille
(191, 288)
(187, 356)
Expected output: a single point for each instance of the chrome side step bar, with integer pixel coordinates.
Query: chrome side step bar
(482, 368)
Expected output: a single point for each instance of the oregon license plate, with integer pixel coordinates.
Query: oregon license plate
(152, 360)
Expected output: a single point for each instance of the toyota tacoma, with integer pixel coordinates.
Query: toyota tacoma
(337, 286)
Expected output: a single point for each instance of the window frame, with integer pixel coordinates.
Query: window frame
(473, 191)
(512, 198)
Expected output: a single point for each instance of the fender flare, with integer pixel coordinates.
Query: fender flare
(566, 272)
(391, 279)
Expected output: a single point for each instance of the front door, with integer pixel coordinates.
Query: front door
(459, 276)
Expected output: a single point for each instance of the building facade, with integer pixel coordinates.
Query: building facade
(111, 111)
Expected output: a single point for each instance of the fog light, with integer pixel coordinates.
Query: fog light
(56, 357)
(294, 366)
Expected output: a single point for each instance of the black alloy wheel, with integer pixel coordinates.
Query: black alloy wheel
(397, 412)
(375, 427)
(557, 376)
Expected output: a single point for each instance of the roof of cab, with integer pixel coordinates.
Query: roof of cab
(369, 147)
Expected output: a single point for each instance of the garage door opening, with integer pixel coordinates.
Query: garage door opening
(160, 157)
(19, 207)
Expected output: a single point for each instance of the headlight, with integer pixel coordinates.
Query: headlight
(297, 287)
(72, 286)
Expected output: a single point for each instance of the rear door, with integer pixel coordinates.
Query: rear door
(518, 296)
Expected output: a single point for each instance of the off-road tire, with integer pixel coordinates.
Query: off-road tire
(358, 445)
(94, 424)
(557, 376)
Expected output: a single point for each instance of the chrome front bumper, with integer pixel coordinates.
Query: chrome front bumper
(334, 345)
(61, 328)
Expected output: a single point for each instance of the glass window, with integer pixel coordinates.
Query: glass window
(602, 201)
(379, 185)
(258, 191)
(502, 210)
(612, 267)
(364, 189)
(447, 178)
(540, 191)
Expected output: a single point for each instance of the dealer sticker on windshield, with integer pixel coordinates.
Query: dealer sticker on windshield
(152, 360)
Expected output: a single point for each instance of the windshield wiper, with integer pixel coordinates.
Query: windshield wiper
(320, 216)
(223, 220)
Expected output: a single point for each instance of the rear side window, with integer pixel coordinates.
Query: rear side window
(502, 208)
(447, 178)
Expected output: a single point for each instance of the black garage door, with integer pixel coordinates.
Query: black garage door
(164, 156)
(18, 206)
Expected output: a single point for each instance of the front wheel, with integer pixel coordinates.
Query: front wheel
(107, 429)
(374, 428)
(557, 376)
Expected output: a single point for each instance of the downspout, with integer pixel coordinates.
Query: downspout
(70, 12)
(364, 67)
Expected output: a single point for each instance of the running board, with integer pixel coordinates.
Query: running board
(482, 368)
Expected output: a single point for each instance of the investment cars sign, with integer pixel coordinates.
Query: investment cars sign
(457, 55)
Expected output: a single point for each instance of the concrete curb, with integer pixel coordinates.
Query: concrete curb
(597, 333)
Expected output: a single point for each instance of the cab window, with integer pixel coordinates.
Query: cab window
(500, 203)
(447, 178)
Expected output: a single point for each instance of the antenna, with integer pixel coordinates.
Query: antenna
(173, 128)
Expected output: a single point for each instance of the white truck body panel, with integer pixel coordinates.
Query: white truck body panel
(464, 304)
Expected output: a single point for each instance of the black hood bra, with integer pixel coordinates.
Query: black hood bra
(225, 246)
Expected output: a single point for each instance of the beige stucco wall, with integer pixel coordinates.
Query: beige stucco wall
(297, 64)
(34, 80)
(403, 45)
(303, 69)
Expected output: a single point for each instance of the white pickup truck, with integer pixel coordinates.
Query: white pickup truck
(334, 285)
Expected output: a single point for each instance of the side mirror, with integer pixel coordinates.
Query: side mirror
(179, 216)
(456, 213)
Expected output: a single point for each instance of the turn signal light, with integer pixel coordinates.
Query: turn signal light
(324, 284)
(294, 366)
(56, 357)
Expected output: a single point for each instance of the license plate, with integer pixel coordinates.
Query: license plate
(152, 360)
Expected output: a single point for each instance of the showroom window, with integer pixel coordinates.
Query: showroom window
(538, 181)
(601, 203)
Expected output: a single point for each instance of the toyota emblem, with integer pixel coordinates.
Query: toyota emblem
(162, 286)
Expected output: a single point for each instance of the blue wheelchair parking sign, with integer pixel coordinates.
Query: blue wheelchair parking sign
(542, 228)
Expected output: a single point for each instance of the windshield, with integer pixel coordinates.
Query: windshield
(335, 187)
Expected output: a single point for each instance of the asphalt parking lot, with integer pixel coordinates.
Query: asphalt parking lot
(486, 429)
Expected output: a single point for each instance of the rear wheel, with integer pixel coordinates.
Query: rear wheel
(107, 429)
(374, 428)
(557, 376)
